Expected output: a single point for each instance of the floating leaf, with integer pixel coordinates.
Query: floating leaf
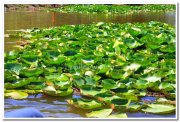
(108, 84)
(50, 90)
(152, 78)
(31, 72)
(88, 90)
(103, 113)
(85, 103)
(15, 67)
(159, 109)
(16, 95)
(120, 115)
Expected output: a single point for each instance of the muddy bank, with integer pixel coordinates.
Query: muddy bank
(29, 6)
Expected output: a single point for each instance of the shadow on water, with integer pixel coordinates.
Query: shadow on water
(51, 106)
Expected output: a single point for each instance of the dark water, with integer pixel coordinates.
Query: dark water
(15, 20)
(57, 107)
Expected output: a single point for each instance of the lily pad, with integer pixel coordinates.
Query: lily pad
(162, 109)
(31, 72)
(16, 95)
(120, 115)
(50, 90)
(88, 90)
(15, 67)
(85, 103)
(108, 84)
(103, 113)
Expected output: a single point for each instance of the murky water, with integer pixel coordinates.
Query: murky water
(53, 106)
(28, 19)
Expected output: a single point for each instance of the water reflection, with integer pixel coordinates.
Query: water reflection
(15, 20)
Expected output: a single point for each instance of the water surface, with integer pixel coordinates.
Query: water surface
(15, 20)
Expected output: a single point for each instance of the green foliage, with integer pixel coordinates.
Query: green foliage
(122, 9)
(111, 65)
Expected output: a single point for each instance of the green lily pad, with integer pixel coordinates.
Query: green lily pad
(62, 84)
(120, 115)
(90, 81)
(166, 86)
(10, 76)
(116, 74)
(159, 109)
(15, 67)
(134, 108)
(16, 95)
(103, 113)
(132, 67)
(50, 90)
(103, 68)
(108, 84)
(88, 90)
(34, 87)
(58, 77)
(11, 55)
(32, 60)
(132, 43)
(85, 103)
(141, 84)
(17, 83)
(55, 61)
(106, 97)
(152, 78)
(31, 72)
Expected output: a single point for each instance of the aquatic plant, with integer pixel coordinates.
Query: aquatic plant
(120, 9)
(111, 65)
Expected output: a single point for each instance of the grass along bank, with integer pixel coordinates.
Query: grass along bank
(118, 9)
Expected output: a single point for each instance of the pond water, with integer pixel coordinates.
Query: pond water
(53, 106)
(15, 20)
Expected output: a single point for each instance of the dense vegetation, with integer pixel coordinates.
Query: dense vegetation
(121, 9)
(111, 65)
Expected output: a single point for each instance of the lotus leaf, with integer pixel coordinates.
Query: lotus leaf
(116, 73)
(103, 68)
(90, 81)
(58, 77)
(15, 67)
(120, 115)
(10, 76)
(106, 97)
(31, 72)
(85, 103)
(30, 59)
(50, 90)
(17, 83)
(166, 86)
(141, 84)
(103, 113)
(16, 95)
(109, 84)
(134, 107)
(88, 90)
(35, 86)
(11, 55)
(162, 109)
(54, 61)
(62, 84)
(152, 78)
